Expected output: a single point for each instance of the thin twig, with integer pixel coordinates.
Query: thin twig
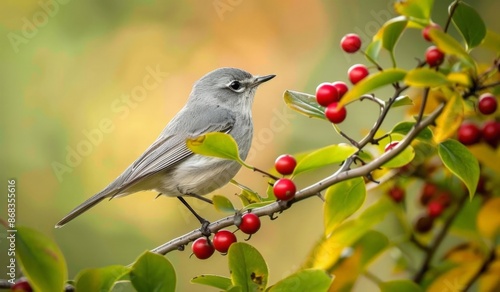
(265, 173)
(418, 244)
(385, 110)
(419, 276)
(375, 279)
(452, 11)
(423, 105)
(484, 267)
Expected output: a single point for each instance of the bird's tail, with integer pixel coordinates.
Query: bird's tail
(89, 203)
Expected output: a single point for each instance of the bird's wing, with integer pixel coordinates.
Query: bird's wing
(170, 148)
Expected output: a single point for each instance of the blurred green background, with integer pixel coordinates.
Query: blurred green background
(69, 66)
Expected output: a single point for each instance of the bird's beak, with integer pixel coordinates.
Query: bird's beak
(261, 79)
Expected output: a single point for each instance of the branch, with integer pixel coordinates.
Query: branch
(484, 267)
(369, 138)
(344, 173)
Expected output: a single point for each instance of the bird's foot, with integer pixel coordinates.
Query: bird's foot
(204, 228)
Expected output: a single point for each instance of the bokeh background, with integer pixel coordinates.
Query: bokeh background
(75, 110)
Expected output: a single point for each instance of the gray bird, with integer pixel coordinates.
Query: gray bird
(221, 101)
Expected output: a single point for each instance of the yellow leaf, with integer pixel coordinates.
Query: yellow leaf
(488, 221)
(450, 119)
(464, 253)
(347, 272)
(489, 280)
(456, 278)
(460, 78)
(487, 156)
(434, 99)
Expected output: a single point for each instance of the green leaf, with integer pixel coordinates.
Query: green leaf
(41, 260)
(403, 158)
(247, 266)
(460, 78)
(364, 252)
(470, 24)
(310, 280)
(404, 128)
(341, 201)
(415, 8)
(247, 195)
(153, 272)
(400, 285)
(257, 205)
(372, 82)
(392, 30)
(450, 46)
(213, 281)
(305, 104)
(458, 159)
(223, 204)
(373, 50)
(327, 252)
(332, 154)
(101, 279)
(425, 77)
(402, 101)
(215, 144)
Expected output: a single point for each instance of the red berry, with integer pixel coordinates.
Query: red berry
(433, 56)
(350, 43)
(335, 113)
(250, 223)
(469, 134)
(487, 103)
(397, 194)
(202, 248)
(326, 93)
(428, 192)
(444, 198)
(357, 73)
(391, 145)
(341, 88)
(491, 132)
(223, 240)
(21, 285)
(424, 224)
(284, 189)
(425, 31)
(434, 209)
(285, 164)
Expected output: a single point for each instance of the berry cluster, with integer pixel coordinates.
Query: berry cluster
(203, 247)
(284, 189)
(433, 56)
(469, 133)
(329, 94)
(436, 202)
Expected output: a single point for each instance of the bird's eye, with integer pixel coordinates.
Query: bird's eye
(236, 86)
